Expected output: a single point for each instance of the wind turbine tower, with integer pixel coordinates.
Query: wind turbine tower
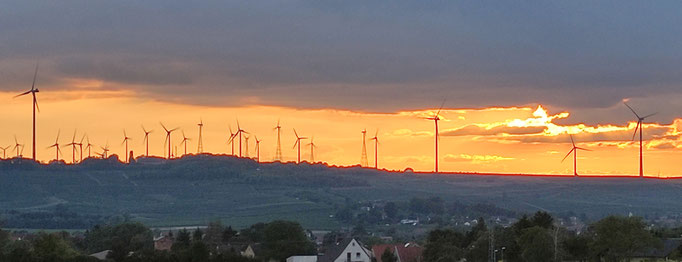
(298, 143)
(363, 157)
(145, 140)
(125, 141)
(168, 139)
(574, 150)
(257, 149)
(184, 141)
(200, 145)
(640, 127)
(246, 146)
(435, 119)
(312, 150)
(56, 145)
(73, 145)
(33, 92)
(278, 152)
(376, 149)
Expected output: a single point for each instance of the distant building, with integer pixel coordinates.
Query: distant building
(409, 252)
(302, 259)
(163, 242)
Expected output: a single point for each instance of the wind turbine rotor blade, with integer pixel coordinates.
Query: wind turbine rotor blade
(295, 133)
(583, 149)
(164, 127)
(650, 115)
(569, 153)
(636, 128)
(295, 143)
(35, 75)
(23, 94)
(35, 100)
(633, 111)
(441, 107)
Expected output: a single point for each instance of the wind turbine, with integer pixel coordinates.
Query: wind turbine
(376, 149)
(239, 132)
(200, 146)
(88, 146)
(168, 139)
(4, 151)
(257, 149)
(574, 150)
(363, 157)
(80, 147)
(278, 152)
(18, 147)
(146, 140)
(639, 126)
(246, 146)
(184, 141)
(73, 145)
(298, 142)
(33, 92)
(231, 140)
(105, 150)
(125, 141)
(312, 150)
(56, 145)
(435, 119)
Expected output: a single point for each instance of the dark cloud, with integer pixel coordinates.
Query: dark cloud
(581, 55)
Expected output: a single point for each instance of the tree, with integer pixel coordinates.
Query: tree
(537, 244)
(52, 247)
(617, 237)
(443, 245)
(182, 241)
(284, 239)
(577, 246)
(391, 210)
(121, 239)
(542, 219)
(388, 256)
(198, 234)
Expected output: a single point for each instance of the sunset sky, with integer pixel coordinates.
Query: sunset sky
(516, 77)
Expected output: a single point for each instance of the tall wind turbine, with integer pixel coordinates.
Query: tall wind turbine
(56, 145)
(298, 142)
(168, 139)
(73, 145)
(363, 157)
(435, 119)
(200, 146)
(639, 126)
(574, 150)
(312, 150)
(125, 141)
(278, 152)
(184, 141)
(33, 92)
(376, 149)
(257, 149)
(146, 140)
(4, 151)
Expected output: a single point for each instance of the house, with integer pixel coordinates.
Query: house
(659, 254)
(409, 252)
(164, 242)
(101, 255)
(348, 250)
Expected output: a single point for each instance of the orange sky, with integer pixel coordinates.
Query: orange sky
(523, 139)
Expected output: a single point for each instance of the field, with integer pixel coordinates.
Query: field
(196, 189)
